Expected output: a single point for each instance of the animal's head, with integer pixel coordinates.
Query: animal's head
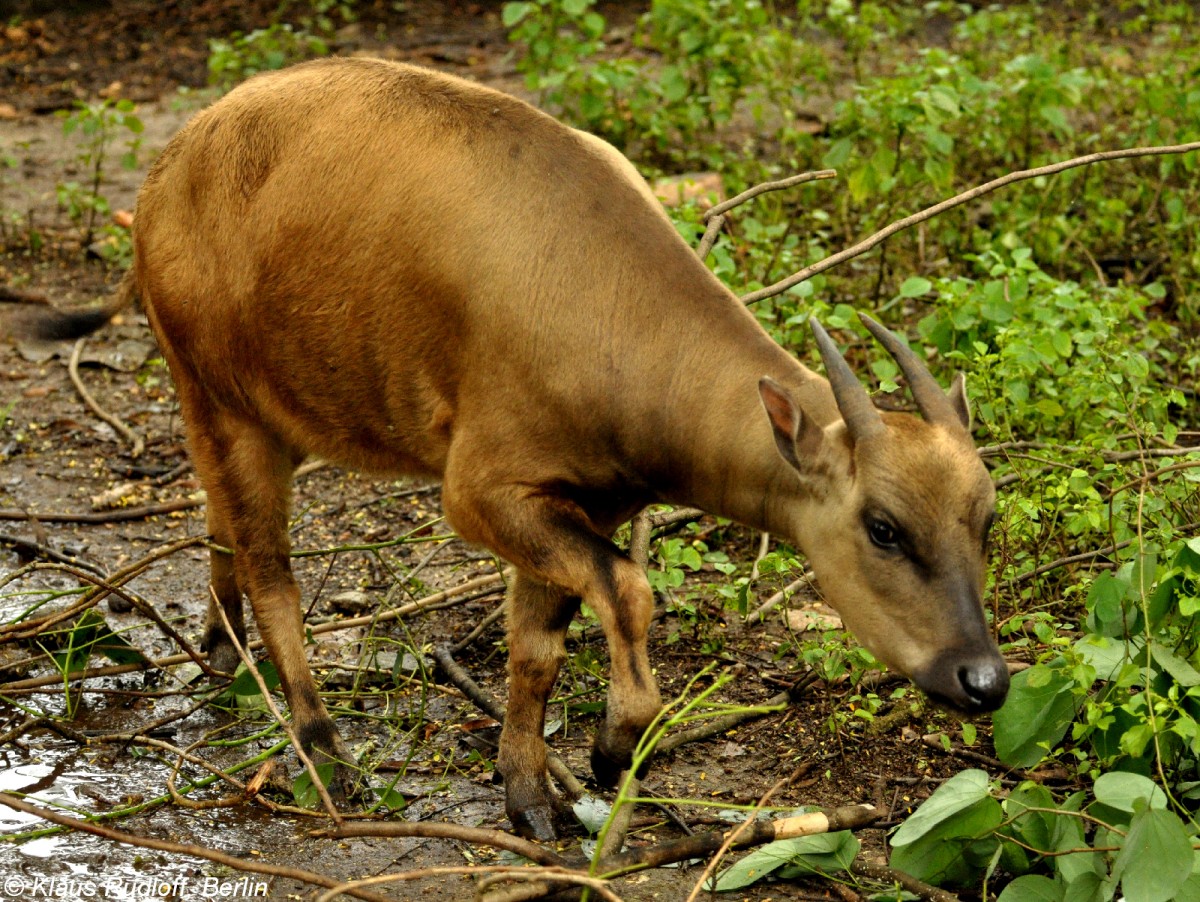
(896, 524)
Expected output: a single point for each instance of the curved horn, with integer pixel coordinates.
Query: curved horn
(933, 403)
(862, 419)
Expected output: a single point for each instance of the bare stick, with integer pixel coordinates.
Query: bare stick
(135, 441)
(639, 538)
(477, 835)
(131, 839)
(760, 613)
(751, 193)
(120, 515)
(764, 545)
(880, 871)
(704, 248)
(701, 845)
(283, 722)
(480, 628)
(28, 546)
(979, 191)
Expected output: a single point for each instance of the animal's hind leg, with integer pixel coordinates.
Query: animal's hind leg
(247, 474)
(225, 594)
(538, 617)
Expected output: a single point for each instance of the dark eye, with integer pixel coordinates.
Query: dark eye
(883, 535)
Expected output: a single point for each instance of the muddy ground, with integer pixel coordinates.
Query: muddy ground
(56, 457)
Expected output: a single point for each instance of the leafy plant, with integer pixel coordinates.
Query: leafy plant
(99, 125)
(1124, 841)
(237, 58)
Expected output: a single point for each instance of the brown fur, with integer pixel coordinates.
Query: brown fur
(407, 273)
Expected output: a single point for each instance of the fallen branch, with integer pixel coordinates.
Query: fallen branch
(979, 191)
(760, 613)
(30, 547)
(137, 446)
(476, 835)
(718, 725)
(145, 842)
(120, 515)
(701, 845)
(879, 871)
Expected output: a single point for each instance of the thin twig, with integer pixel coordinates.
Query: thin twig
(137, 446)
(759, 614)
(751, 193)
(979, 191)
(733, 837)
(29, 546)
(119, 515)
(480, 628)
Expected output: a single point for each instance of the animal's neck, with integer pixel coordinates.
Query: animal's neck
(723, 452)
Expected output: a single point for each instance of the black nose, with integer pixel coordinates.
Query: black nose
(985, 683)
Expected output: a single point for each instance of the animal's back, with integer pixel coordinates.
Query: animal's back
(357, 231)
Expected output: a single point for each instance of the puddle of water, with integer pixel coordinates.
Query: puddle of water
(74, 865)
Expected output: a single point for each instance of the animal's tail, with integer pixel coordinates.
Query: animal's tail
(59, 325)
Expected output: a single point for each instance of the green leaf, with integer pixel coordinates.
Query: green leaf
(303, 790)
(1035, 716)
(950, 837)
(1180, 670)
(1032, 888)
(1088, 887)
(514, 13)
(1120, 790)
(822, 854)
(914, 287)
(1156, 858)
(758, 864)
(954, 796)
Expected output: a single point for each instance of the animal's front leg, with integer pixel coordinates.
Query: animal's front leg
(552, 542)
(538, 617)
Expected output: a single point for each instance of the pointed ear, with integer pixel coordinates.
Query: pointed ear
(958, 400)
(796, 436)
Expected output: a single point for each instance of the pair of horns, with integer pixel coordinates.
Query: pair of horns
(861, 417)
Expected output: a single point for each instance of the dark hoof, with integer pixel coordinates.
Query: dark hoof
(222, 656)
(536, 822)
(606, 768)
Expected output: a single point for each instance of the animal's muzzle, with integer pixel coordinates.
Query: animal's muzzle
(971, 684)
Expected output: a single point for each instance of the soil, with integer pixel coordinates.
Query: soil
(57, 457)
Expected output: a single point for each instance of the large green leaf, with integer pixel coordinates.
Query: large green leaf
(825, 853)
(1156, 858)
(761, 862)
(954, 796)
(1032, 888)
(1035, 717)
(1120, 790)
(948, 839)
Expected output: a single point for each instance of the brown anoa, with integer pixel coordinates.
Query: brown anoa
(407, 273)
